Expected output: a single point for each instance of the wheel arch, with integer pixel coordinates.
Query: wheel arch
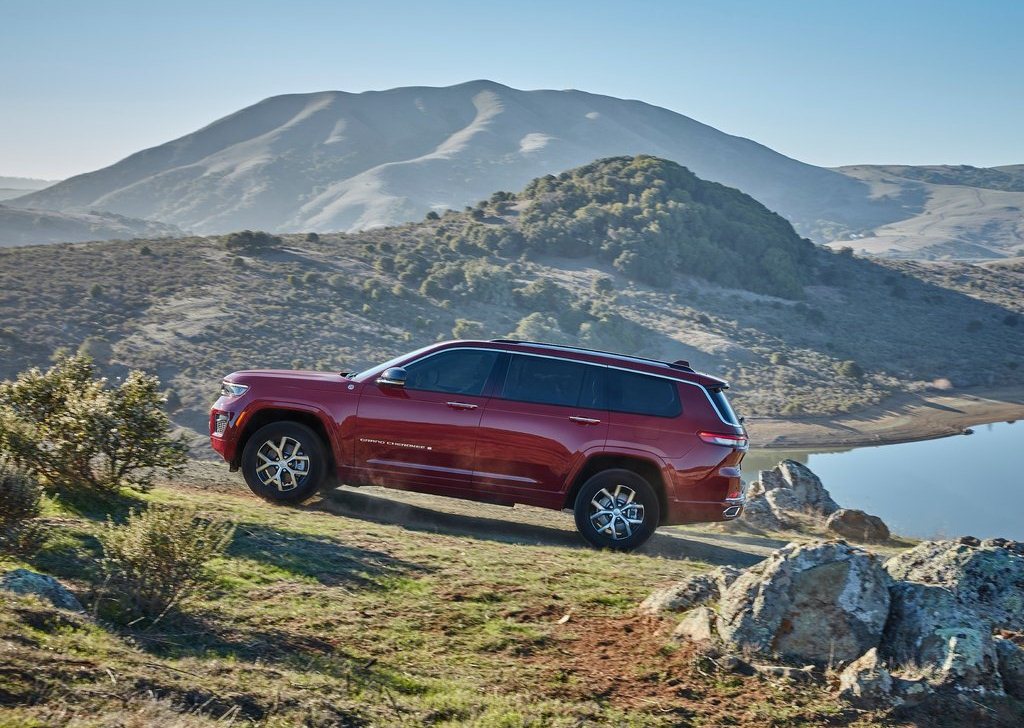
(645, 467)
(268, 415)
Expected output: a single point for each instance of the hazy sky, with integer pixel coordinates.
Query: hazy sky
(83, 84)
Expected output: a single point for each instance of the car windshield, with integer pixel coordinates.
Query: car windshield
(375, 370)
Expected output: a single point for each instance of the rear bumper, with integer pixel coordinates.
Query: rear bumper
(680, 512)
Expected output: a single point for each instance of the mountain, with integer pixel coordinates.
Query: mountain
(336, 161)
(21, 226)
(956, 212)
(629, 254)
(11, 187)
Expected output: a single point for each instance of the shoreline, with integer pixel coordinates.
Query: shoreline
(907, 417)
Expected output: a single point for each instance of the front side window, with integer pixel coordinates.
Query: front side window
(642, 394)
(460, 371)
(554, 381)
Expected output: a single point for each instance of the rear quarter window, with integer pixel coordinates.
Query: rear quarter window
(721, 403)
(641, 394)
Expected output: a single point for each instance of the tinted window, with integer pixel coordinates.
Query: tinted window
(463, 371)
(723, 406)
(554, 381)
(643, 395)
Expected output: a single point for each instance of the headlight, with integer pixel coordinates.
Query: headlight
(230, 389)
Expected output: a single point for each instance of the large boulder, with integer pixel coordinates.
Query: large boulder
(931, 633)
(690, 592)
(23, 581)
(697, 626)
(803, 489)
(857, 526)
(985, 578)
(1011, 666)
(820, 602)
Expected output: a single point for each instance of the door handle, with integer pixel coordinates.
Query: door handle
(461, 405)
(585, 420)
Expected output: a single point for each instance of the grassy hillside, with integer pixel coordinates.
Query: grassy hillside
(317, 618)
(569, 259)
(23, 226)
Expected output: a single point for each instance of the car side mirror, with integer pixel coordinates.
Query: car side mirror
(393, 377)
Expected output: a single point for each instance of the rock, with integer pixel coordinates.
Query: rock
(1010, 657)
(23, 581)
(986, 580)
(690, 592)
(820, 602)
(867, 684)
(857, 526)
(929, 629)
(782, 494)
(697, 626)
(910, 692)
(804, 485)
(790, 673)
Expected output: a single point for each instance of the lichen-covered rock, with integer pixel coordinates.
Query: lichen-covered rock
(697, 626)
(985, 578)
(785, 493)
(820, 602)
(929, 629)
(690, 592)
(857, 526)
(867, 684)
(23, 581)
(1011, 666)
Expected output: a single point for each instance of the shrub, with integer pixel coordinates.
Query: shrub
(250, 241)
(67, 426)
(777, 358)
(19, 505)
(433, 216)
(465, 329)
(849, 369)
(312, 238)
(158, 557)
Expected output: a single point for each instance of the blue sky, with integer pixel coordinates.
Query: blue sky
(83, 84)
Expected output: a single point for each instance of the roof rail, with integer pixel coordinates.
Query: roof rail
(679, 364)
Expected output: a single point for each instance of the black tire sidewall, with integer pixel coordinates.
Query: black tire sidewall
(311, 444)
(644, 493)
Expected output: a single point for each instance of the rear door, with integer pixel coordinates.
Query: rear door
(645, 414)
(424, 434)
(545, 414)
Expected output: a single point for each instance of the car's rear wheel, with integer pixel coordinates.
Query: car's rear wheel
(617, 509)
(284, 462)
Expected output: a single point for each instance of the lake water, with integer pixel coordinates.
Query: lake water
(954, 486)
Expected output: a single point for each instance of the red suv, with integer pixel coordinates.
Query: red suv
(627, 443)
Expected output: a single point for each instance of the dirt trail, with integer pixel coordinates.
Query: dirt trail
(902, 418)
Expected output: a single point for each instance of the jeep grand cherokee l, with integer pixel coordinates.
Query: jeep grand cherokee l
(627, 443)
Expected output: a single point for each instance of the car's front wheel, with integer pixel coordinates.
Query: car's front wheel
(284, 462)
(617, 509)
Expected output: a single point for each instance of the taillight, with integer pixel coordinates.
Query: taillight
(724, 439)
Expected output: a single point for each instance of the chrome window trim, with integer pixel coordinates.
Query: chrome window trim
(701, 387)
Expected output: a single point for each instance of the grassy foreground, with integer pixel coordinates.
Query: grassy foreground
(314, 618)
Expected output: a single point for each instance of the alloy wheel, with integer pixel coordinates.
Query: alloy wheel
(282, 464)
(616, 512)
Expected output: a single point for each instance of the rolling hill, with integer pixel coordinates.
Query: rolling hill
(336, 161)
(11, 187)
(26, 226)
(634, 255)
(955, 212)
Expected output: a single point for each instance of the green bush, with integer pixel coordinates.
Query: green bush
(249, 241)
(158, 557)
(849, 369)
(19, 505)
(69, 427)
(466, 329)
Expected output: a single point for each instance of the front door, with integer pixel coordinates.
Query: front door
(544, 418)
(424, 434)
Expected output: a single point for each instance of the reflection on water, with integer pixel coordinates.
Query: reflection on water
(954, 486)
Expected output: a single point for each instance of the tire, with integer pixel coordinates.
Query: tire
(276, 443)
(607, 491)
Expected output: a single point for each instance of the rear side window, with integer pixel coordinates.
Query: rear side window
(554, 381)
(721, 403)
(642, 395)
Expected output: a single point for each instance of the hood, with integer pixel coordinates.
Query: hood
(289, 378)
